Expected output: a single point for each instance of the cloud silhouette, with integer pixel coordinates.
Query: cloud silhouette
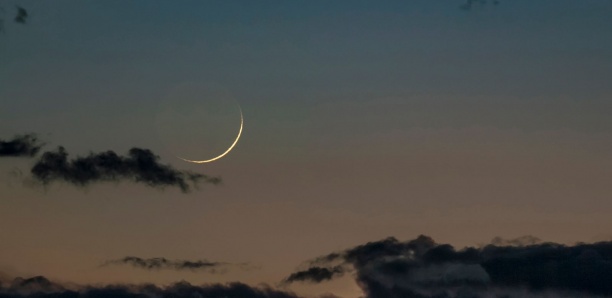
(469, 4)
(139, 166)
(316, 274)
(163, 263)
(41, 287)
(20, 146)
(22, 15)
(424, 268)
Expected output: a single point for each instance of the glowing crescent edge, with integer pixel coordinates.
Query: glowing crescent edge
(228, 149)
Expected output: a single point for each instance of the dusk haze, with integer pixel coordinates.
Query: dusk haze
(306, 149)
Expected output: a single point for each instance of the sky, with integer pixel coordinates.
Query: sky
(363, 120)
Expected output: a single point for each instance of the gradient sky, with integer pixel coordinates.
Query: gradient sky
(362, 120)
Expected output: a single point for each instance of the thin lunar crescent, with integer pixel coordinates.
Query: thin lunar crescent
(228, 149)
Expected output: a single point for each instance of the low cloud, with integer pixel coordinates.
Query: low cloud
(315, 274)
(41, 287)
(20, 146)
(522, 267)
(139, 166)
(163, 263)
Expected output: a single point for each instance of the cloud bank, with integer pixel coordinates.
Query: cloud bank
(41, 287)
(423, 268)
(139, 166)
(20, 146)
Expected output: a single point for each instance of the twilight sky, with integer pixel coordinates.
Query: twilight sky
(362, 120)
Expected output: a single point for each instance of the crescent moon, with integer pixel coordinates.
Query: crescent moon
(228, 149)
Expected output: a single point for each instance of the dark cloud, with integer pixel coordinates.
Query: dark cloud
(139, 166)
(163, 263)
(522, 267)
(22, 15)
(22, 145)
(41, 287)
(469, 4)
(316, 274)
(37, 284)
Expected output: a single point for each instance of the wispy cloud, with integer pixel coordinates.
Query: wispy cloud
(316, 274)
(22, 15)
(20, 146)
(469, 4)
(163, 263)
(139, 166)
